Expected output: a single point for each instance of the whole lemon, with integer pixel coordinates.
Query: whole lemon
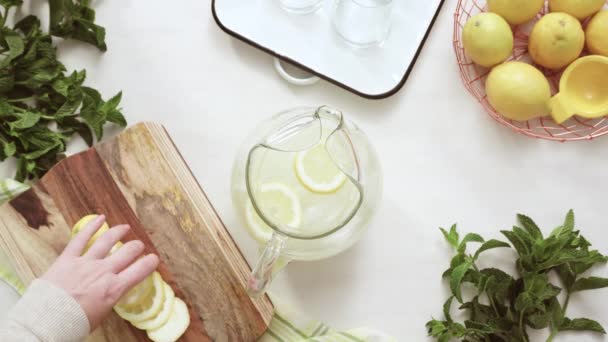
(556, 40)
(83, 222)
(580, 9)
(487, 39)
(597, 34)
(518, 91)
(516, 12)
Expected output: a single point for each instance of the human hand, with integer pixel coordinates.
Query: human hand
(97, 280)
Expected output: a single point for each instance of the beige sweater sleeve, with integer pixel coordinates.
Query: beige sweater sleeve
(45, 313)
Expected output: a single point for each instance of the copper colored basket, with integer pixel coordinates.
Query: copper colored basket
(474, 78)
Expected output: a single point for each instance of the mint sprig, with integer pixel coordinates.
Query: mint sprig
(504, 306)
(41, 106)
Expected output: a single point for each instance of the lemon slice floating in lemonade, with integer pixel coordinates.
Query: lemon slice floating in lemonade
(317, 171)
(281, 205)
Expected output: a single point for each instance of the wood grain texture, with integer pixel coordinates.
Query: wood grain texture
(139, 178)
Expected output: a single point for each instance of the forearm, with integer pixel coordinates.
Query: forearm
(45, 313)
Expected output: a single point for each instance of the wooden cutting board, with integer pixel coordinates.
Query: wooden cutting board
(139, 178)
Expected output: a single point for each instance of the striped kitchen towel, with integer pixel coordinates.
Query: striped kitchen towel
(288, 325)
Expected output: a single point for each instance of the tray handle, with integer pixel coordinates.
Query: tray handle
(291, 79)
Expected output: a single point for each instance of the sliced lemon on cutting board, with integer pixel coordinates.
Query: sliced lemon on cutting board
(138, 294)
(150, 306)
(279, 203)
(317, 171)
(163, 316)
(178, 322)
(82, 223)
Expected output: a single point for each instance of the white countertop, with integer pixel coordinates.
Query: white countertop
(444, 159)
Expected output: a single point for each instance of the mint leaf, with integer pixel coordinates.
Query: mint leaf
(456, 279)
(8, 149)
(15, 48)
(519, 244)
(566, 275)
(569, 222)
(24, 120)
(590, 283)
(112, 103)
(530, 226)
(581, 324)
(451, 237)
(74, 20)
(490, 244)
(446, 309)
(436, 328)
(471, 237)
(10, 3)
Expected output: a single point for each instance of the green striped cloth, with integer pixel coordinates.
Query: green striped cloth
(288, 325)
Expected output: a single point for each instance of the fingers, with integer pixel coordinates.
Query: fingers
(138, 271)
(76, 246)
(101, 248)
(125, 256)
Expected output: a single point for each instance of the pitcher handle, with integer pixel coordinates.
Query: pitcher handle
(261, 276)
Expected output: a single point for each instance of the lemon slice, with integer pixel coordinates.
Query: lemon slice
(163, 316)
(150, 306)
(83, 222)
(317, 171)
(175, 327)
(257, 227)
(280, 204)
(138, 294)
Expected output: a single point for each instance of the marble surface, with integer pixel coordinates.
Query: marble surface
(444, 159)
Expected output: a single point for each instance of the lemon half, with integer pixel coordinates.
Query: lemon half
(317, 171)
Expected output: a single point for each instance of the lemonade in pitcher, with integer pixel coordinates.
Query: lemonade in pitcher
(306, 184)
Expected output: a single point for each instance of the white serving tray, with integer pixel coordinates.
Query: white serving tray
(310, 42)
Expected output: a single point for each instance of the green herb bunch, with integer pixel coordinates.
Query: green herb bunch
(42, 107)
(503, 306)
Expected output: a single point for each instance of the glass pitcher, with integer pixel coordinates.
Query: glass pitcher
(305, 183)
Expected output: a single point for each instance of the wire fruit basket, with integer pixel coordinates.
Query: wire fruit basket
(474, 79)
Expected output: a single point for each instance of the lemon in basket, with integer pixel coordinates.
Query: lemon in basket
(518, 91)
(487, 39)
(580, 9)
(516, 12)
(556, 40)
(597, 34)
